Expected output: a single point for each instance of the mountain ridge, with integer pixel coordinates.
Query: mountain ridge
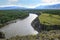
(55, 6)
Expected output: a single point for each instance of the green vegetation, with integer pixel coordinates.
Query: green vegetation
(49, 19)
(9, 15)
(50, 25)
(44, 35)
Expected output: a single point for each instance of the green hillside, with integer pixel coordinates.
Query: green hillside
(9, 15)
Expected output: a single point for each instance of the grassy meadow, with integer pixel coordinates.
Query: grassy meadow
(49, 19)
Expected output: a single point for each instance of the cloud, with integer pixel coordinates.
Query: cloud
(12, 0)
(51, 1)
(29, 3)
(47, 2)
(42, 3)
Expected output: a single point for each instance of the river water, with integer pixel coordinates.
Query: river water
(20, 28)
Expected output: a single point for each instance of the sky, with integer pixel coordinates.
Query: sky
(28, 3)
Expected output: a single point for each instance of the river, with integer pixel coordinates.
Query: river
(21, 27)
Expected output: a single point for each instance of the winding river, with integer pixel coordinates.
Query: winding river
(21, 27)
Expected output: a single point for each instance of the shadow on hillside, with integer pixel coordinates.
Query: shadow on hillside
(50, 27)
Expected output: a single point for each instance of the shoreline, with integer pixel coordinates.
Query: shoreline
(36, 24)
(12, 21)
(29, 21)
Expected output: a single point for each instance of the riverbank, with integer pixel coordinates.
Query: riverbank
(21, 27)
(46, 22)
(36, 24)
(7, 16)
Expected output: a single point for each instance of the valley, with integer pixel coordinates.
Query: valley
(49, 21)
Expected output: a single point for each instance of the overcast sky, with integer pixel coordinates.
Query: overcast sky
(28, 3)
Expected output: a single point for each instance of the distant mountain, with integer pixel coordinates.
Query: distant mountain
(55, 6)
(11, 8)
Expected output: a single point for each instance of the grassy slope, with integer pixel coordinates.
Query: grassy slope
(49, 19)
